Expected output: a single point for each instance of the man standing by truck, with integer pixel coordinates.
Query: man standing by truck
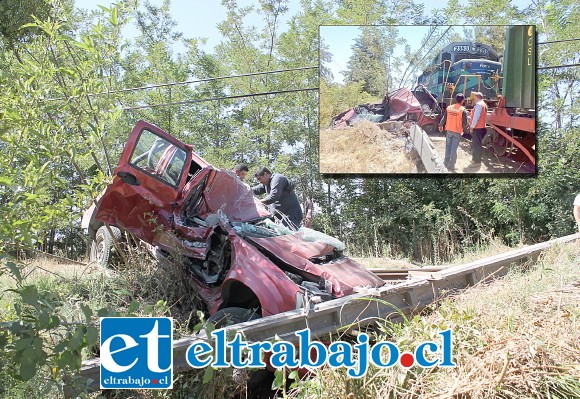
(241, 170)
(280, 197)
(455, 123)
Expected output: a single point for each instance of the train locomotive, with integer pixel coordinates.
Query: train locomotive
(507, 82)
(463, 67)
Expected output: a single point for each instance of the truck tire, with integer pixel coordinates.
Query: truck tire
(102, 246)
(164, 259)
(430, 128)
(258, 382)
(228, 316)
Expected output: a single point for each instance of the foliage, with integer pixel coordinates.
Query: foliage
(16, 13)
(377, 12)
(335, 98)
(65, 121)
(369, 61)
(51, 126)
(512, 337)
(56, 308)
(54, 154)
(37, 336)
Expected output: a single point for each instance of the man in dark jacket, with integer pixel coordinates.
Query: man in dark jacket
(280, 196)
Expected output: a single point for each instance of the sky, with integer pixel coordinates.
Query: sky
(197, 18)
(340, 40)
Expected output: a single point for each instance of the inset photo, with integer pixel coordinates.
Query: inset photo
(428, 100)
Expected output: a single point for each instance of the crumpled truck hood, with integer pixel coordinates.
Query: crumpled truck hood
(401, 102)
(344, 273)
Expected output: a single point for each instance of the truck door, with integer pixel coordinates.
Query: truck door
(147, 182)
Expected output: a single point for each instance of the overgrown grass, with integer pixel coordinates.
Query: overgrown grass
(516, 337)
(141, 288)
(365, 148)
(485, 249)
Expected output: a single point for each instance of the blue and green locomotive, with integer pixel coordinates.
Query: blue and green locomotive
(463, 67)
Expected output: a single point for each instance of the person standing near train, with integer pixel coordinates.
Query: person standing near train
(455, 123)
(477, 127)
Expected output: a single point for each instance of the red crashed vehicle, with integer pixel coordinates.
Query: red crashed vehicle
(416, 105)
(237, 256)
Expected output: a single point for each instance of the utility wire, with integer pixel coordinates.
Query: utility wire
(218, 98)
(425, 41)
(559, 66)
(428, 51)
(559, 41)
(187, 82)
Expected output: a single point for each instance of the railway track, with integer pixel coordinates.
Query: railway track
(407, 291)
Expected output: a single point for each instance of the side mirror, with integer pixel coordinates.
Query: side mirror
(129, 179)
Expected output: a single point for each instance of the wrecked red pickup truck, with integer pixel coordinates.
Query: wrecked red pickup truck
(238, 258)
(416, 105)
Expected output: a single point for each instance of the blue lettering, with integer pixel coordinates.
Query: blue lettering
(376, 354)
(363, 356)
(256, 349)
(447, 349)
(284, 355)
(340, 354)
(315, 354)
(236, 346)
(420, 354)
(220, 349)
(306, 347)
(194, 352)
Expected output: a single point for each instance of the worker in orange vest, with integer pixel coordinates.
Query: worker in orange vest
(477, 127)
(455, 123)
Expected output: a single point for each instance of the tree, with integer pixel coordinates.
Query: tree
(54, 156)
(150, 60)
(53, 130)
(14, 14)
(368, 62)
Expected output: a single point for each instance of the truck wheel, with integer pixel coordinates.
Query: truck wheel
(431, 128)
(164, 259)
(228, 316)
(102, 246)
(257, 382)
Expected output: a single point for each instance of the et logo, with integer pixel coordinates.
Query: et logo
(136, 353)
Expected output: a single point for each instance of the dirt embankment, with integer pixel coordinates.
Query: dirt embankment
(490, 162)
(366, 148)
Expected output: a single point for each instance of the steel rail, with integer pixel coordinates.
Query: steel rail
(427, 152)
(392, 302)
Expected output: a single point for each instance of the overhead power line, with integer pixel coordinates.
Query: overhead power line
(559, 41)
(209, 79)
(428, 51)
(218, 98)
(425, 41)
(559, 66)
(186, 82)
